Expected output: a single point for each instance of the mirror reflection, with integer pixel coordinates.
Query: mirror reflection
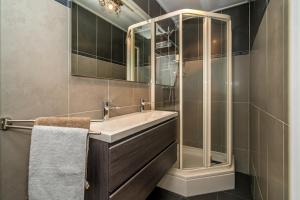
(99, 41)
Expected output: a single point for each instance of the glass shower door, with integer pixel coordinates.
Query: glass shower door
(192, 91)
(219, 92)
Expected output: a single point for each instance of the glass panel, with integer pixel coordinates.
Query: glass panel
(218, 92)
(192, 149)
(167, 67)
(139, 44)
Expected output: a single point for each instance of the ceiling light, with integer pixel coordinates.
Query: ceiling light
(114, 5)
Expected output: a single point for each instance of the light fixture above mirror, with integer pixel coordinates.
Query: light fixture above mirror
(113, 5)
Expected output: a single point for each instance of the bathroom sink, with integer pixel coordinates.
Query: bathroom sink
(123, 126)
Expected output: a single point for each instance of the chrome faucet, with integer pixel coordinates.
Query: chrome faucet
(106, 109)
(142, 104)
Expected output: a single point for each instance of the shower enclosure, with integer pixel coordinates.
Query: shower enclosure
(188, 56)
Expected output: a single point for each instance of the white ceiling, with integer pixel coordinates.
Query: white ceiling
(206, 5)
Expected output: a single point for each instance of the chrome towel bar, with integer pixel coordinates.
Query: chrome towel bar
(7, 123)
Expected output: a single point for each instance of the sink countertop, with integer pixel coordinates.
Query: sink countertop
(123, 126)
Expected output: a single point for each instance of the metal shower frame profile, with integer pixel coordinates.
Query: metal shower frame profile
(207, 16)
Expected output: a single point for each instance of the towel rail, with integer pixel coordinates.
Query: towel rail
(7, 123)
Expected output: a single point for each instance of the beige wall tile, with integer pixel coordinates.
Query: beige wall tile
(286, 62)
(86, 66)
(120, 93)
(274, 131)
(258, 72)
(241, 126)
(87, 94)
(286, 163)
(98, 114)
(240, 80)
(124, 110)
(275, 60)
(269, 91)
(141, 91)
(14, 149)
(264, 125)
(241, 158)
(254, 139)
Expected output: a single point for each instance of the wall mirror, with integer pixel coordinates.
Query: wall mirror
(99, 40)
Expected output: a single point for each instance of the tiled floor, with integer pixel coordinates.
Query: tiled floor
(242, 191)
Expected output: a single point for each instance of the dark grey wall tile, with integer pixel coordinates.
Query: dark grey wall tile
(117, 45)
(257, 11)
(143, 4)
(154, 8)
(192, 38)
(240, 28)
(86, 31)
(218, 38)
(125, 48)
(74, 27)
(104, 39)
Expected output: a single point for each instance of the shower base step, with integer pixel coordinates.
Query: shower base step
(199, 181)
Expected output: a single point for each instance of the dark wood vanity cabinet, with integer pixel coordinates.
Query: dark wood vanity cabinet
(131, 168)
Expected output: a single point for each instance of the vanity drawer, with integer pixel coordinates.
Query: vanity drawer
(141, 184)
(129, 156)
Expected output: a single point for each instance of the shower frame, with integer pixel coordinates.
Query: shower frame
(207, 16)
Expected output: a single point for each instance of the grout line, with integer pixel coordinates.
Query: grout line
(283, 163)
(77, 68)
(89, 111)
(267, 171)
(97, 46)
(69, 36)
(249, 84)
(240, 149)
(248, 134)
(239, 102)
(108, 91)
(267, 113)
(284, 60)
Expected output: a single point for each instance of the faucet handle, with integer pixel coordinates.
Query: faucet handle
(106, 103)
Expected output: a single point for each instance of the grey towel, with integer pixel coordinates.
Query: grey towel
(57, 163)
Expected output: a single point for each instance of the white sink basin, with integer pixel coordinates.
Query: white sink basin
(120, 127)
